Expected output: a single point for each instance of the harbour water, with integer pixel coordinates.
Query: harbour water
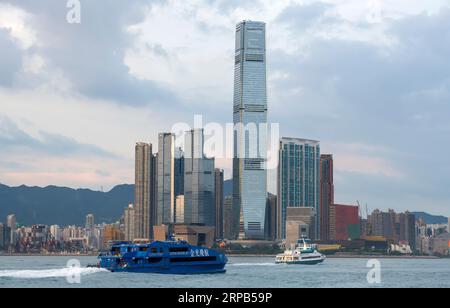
(242, 272)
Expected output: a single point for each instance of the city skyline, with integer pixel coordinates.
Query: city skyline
(369, 157)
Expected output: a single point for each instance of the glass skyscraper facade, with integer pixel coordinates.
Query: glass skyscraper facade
(250, 120)
(298, 180)
(199, 196)
(166, 179)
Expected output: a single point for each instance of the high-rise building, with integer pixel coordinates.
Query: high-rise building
(298, 180)
(178, 173)
(11, 223)
(250, 120)
(55, 231)
(392, 226)
(218, 190)
(271, 217)
(199, 197)
(90, 222)
(166, 179)
(111, 233)
(407, 228)
(5, 237)
(383, 224)
(228, 219)
(129, 216)
(326, 195)
(144, 200)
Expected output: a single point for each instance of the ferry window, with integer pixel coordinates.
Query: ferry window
(201, 239)
(178, 249)
(143, 248)
(195, 259)
(154, 250)
(154, 260)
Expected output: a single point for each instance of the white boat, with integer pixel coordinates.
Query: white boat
(304, 253)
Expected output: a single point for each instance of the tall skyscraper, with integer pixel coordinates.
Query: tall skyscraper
(326, 194)
(144, 201)
(166, 179)
(250, 119)
(130, 222)
(219, 178)
(4, 237)
(90, 222)
(11, 223)
(298, 180)
(199, 205)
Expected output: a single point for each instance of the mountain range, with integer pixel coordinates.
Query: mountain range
(431, 219)
(66, 206)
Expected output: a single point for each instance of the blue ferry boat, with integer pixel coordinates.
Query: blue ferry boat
(170, 257)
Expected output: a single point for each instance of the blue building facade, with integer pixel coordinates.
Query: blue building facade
(298, 180)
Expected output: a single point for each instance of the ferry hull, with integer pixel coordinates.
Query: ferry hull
(303, 262)
(174, 270)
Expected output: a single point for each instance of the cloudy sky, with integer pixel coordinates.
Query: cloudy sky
(369, 79)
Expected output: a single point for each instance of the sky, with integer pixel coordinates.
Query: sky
(369, 79)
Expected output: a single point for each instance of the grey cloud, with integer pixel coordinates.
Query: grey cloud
(300, 17)
(14, 140)
(352, 91)
(10, 59)
(91, 54)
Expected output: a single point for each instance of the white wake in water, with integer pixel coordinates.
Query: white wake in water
(49, 273)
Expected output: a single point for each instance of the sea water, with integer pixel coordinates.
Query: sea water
(242, 272)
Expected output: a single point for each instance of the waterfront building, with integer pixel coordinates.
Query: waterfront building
(130, 223)
(144, 200)
(218, 191)
(11, 223)
(170, 178)
(326, 194)
(250, 119)
(199, 197)
(271, 217)
(5, 236)
(298, 181)
(300, 222)
(55, 231)
(344, 222)
(392, 226)
(228, 219)
(111, 233)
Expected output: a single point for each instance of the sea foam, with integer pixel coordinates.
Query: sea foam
(49, 273)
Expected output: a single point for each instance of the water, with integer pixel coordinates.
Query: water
(242, 272)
